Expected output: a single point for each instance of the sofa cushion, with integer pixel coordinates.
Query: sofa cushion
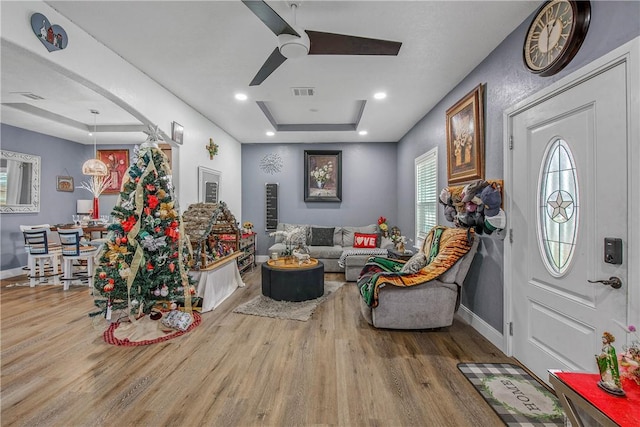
(348, 233)
(321, 236)
(416, 263)
(362, 240)
(300, 237)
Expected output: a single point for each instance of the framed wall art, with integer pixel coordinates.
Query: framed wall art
(465, 138)
(208, 185)
(117, 162)
(64, 183)
(322, 176)
(177, 132)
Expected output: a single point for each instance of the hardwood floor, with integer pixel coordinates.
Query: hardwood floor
(234, 369)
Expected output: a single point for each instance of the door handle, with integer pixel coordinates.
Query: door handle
(614, 282)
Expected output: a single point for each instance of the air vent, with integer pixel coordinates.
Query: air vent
(29, 95)
(303, 91)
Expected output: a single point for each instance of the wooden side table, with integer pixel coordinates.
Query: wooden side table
(579, 390)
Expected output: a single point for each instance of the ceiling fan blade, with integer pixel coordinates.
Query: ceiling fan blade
(270, 18)
(341, 44)
(273, 61)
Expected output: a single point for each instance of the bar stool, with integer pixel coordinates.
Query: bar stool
(40, 249)
(72, 250)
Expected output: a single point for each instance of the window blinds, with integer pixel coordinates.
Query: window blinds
(426, 174)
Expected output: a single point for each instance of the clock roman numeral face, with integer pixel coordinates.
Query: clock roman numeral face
(548, 35)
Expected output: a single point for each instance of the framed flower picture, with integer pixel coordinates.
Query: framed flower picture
(322, 176)
(465, 138)
(117, 162)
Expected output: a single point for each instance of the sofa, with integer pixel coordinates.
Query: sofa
(425, 299)
(333, 242)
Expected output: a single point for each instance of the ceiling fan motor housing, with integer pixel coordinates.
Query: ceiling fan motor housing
(292, 46)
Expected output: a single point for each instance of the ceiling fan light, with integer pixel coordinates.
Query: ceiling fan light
(292, 46)
(94, 167)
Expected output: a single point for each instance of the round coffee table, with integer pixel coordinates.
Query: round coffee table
(293, 283)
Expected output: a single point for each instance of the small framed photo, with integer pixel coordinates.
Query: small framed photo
(64, 183)
(322, 176)
(177, 132)
(465, 138)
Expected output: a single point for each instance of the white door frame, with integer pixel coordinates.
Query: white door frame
(628, 54)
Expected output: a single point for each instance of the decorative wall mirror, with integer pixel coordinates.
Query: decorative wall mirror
(19, 182)
(208, 185)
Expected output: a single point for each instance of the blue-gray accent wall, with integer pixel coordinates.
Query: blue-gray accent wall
(368, 187)
(58, 157)
(506, 81)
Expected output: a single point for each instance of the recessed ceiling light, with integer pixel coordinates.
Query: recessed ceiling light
(380, 95)
(363, 132)
(270, 133)
(241, 97)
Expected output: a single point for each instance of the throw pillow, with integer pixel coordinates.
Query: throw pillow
(361, 240)
(415, 263)
(321, 236)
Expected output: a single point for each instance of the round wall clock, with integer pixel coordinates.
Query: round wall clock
(555, 35)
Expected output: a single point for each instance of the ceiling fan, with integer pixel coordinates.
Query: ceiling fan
(294, 43)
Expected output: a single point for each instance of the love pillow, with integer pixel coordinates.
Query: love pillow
(361, 240)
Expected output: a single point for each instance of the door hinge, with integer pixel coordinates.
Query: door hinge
(511, 235)
(511, 142)
(510, 328)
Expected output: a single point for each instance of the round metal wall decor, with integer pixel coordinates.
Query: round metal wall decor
(271, 163)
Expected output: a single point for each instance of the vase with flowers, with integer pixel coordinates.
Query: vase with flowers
(247, 227)
(96, 185)
(383, 227)
(322, 174)
(291, 239)
(630, 356)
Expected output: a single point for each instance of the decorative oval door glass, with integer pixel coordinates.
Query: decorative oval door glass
(558, 207)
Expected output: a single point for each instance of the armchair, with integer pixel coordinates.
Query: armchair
(428, 298)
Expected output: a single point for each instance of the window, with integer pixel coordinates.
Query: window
(426, 193)
(558, 207)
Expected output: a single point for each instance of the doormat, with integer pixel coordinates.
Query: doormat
(302, 311)
(517, 397)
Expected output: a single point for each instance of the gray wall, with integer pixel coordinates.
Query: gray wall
(506, 82)
(58, 157)
(368, 186)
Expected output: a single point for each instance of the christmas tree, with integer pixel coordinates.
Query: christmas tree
(143, 264)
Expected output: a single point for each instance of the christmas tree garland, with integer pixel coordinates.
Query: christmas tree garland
(146, 243)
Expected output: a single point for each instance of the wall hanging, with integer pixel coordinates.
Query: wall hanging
(53, 37)
(177, 132)
(117, 162)
(212, 148)
(271, 163)
(64, 183)
(465, 138)
(322, 176)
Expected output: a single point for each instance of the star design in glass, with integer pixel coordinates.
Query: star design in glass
(560, 205)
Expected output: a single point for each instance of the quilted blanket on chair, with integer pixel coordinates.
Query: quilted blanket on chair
(443, 247)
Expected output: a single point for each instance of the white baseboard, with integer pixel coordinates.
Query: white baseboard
(486, 330)
(6, 274)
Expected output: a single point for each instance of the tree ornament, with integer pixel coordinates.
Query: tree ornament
(134, 303)
(164, 291)
(172, 267)
(108, 287)
(156, 292)
(102, 275)
(123, 239)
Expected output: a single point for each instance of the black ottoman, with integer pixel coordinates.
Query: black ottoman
(293, 284)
